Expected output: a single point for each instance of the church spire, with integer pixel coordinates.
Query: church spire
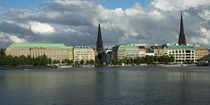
(99, 43)
(182, 40)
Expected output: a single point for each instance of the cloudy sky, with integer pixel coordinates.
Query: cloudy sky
(75, 22)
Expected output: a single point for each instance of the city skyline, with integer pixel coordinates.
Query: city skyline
(76, 22)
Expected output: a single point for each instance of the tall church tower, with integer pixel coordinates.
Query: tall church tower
(99, 42)
(182, 40)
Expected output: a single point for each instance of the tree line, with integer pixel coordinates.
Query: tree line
(38, 61)
(23, 60)
(147, 59)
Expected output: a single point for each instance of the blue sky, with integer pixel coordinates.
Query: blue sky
(30, 4)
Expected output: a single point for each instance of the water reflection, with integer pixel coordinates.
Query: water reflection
(106, 86)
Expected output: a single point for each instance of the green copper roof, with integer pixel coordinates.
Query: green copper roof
(199, 47)
(38, 45)
(180, 47)
(128, 47)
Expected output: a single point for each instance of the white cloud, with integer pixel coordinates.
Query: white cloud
(170, 5)
(76, 22)
(5, 39)
(41, 28)
(25, 26)
(16, 39)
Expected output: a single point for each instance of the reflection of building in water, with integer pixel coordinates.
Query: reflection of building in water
(106, 86)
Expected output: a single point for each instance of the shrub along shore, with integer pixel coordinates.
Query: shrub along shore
(43, 62)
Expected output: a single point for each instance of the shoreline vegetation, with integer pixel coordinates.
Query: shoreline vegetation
(24, 68)
(43, 62)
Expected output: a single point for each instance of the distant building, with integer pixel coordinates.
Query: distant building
(107, 55)
(200, 52)
(158, 50)
(142, 51)
(85, 53)
(181, 53)
(128, 51)
(58, 52)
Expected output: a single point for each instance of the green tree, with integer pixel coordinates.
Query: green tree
(97, 61)
(44, 60)
(82, 62)
(172, 58)
(22, 60)
(76, 63)
(92, 61)
(147, 59)
(55, 61)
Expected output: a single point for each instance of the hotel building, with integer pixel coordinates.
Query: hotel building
(85, 53)
(58, 52)
(181, 53)
(200, 52)
(128, 51)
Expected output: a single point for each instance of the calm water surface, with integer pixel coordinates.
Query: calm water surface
(106, 86)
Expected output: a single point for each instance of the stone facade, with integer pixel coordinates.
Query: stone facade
(128, 51)
(58, 52)
(181, 53)
(83, 53)
(200, 52)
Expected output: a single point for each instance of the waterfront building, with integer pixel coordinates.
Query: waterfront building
(200, 52)
(142, 51)
(84, 53)
(181, 53)
(182, 40)
(128, 51)
(58, 52)
(107, 55)
(158, 50)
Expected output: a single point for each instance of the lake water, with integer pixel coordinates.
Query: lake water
(106, 86)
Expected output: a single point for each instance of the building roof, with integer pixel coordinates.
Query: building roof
(201, 48)
(128, 47)
(82, 47)
(179, 47)
(38, 45)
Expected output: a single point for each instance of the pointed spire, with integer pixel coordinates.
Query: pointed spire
(182, 40)
(99, 43)
(99, 33)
